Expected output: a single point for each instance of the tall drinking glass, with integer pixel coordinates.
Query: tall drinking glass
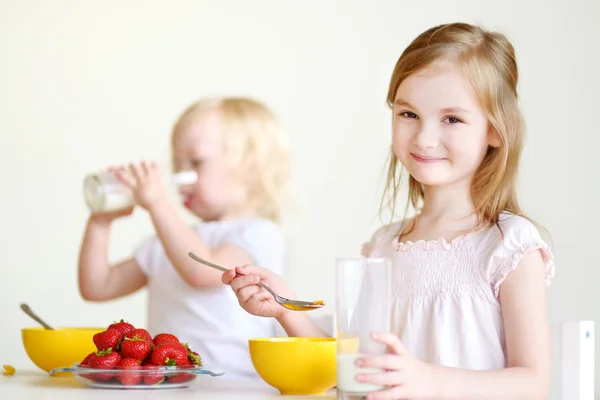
(363, 306)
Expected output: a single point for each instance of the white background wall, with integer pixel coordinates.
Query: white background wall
(84, 84)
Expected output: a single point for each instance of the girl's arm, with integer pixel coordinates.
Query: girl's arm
(523, 299)
(98, 281)
(178, 239)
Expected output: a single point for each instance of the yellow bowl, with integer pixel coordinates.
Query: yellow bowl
(295, 365)
(58, 348)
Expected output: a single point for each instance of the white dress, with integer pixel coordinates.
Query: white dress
(445, 305)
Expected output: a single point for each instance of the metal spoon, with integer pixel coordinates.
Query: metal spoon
(295, 305)
(28, 311)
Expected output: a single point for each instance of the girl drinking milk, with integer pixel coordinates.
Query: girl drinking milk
(469, 270)
(241, 156)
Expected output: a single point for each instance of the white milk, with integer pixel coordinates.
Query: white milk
(109, 197)
(115, 201)
(104, 193)
(346, 375)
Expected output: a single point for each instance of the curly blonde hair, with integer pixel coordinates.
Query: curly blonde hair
(254, 140)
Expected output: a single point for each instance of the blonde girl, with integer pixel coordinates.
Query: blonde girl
(240, 153)
(469, 269)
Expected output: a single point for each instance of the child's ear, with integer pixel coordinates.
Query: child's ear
(494, 138)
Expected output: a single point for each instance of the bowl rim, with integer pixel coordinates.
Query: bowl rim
(292, 339)
(150, 370)
(59, 329)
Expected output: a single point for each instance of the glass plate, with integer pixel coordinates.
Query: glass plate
(150, 377)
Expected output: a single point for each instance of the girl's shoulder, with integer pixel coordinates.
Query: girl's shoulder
(514, 224)
(509, 241)
(383, 236)
(515, 231)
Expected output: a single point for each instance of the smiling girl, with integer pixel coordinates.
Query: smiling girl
(469, 269)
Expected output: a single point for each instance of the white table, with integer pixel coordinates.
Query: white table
(32, 384)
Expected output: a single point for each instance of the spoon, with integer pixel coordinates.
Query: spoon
(28, 311)
(295, 305)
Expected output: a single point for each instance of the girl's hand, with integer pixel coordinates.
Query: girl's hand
(254, 299)
(406, 376)
(145, 182)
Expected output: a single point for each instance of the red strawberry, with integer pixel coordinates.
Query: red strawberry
(105, 359)
(122, 326)
(181, 378)
(86, 364)
(169, 353)
(136, 348)
(86, 360)
(164, 337)
(129, 378)
(154, 377)
(139, 333)
(193, 357)
(109, 339)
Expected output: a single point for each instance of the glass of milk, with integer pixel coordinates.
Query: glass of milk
(104, 193)
(363, 306)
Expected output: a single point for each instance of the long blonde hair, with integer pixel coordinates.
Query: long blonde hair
(487, 60)
(254, 141)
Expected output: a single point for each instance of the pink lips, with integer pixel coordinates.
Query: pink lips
(426, 159)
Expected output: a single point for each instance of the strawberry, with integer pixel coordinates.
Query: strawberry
(183, 376)
(104, 359)
(129, 378)
(139, 333)
(153, 378)
(136, 348)
(193, 357)
(169, 353)
(86, 364)
(122, 326)
(109, 339)
(86, 360)
(164, 337)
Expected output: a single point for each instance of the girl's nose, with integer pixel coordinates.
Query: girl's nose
(427, 137)
(186, 189)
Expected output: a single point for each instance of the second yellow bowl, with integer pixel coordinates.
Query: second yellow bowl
(295, 365)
